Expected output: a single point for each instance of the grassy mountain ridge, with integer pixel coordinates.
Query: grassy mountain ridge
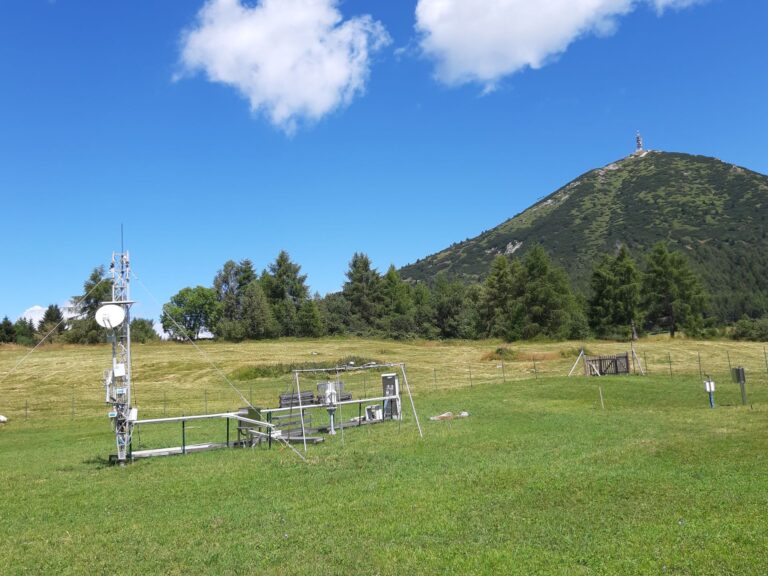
(715, 212)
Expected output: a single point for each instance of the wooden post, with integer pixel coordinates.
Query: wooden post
(535, 369)
(470, 375)
(701, 374)
(669, 357)
(728, 355)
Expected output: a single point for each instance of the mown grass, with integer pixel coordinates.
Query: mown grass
(538, 480)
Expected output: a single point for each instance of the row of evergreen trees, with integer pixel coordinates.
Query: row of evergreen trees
(519, 299)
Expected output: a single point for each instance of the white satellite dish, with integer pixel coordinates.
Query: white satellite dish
(110, 316)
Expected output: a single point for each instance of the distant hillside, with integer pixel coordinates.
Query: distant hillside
(715, 212)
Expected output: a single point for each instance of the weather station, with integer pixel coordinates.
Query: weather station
(115, 316)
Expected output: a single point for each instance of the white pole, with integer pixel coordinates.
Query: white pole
(581, 353)
(600, 388)
(301, 410)
(413, 406)
(341, 420)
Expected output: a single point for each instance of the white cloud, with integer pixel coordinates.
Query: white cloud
(484, 40)
(34, 313)
(294, 60)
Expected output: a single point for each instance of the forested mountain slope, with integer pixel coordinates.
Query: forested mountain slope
(715, 213)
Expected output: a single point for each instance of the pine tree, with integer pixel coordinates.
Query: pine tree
(96, 290)
(229, 284)
(672, 293)
(258, 321)
(7, 331)
(286, 291)
(51, 324)
(550, 308)
(500, 304)
(310, 320)
(362, 291)
(397, 311)
(423, 311)
(24, 331)
(615, 302)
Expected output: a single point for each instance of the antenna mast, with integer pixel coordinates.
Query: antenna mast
(117, 381)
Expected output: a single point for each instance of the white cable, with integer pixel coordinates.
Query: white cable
(200, 350)
(20, 362)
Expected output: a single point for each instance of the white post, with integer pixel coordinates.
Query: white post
(581, 353)
(413, 406)
(301, 410)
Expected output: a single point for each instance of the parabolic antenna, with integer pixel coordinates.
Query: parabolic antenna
(110, 316)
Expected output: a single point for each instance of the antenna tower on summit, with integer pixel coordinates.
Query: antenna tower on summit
(638, 143)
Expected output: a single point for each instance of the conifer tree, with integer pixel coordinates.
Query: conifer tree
(286, 291)
(310, 320)
(397, 311)
(615, 303)
(363, 292)
(672, 293)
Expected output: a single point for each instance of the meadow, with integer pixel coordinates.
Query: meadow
(541, 478)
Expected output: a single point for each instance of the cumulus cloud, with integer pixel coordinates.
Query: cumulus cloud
(34, 313)
(485, 40)
(293, 60)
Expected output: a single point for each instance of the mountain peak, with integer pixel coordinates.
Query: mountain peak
(717, 213)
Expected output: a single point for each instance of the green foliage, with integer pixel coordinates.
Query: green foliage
(83, 329)
(502, 353)
(614, 307)
(310, 320)
(51, 325)
(363, 292)
(190, 312)
(501, 308)
(229, 285)
(713, 211)
(397, 312)
(754, 329)
(257, 319)
(24, 331)
(143, 330)
(286, 291)
(256, 371)
(672, 294)
(530, 299)
(7, 331)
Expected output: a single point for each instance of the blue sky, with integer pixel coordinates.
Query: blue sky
(224, 130)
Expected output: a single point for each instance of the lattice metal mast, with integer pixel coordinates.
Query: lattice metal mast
(118, 379)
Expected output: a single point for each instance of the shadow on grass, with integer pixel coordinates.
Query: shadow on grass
(98, 462)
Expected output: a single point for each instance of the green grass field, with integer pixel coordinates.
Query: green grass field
(538, 480)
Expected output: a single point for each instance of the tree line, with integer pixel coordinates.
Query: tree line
(520, 299)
